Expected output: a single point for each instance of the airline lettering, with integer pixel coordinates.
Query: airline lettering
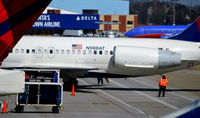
(44, 21)
(47, 24)
(44, 17)
(95, 47)
(78, 18)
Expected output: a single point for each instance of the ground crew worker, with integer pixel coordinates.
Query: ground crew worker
(162, 85)
(100, 79)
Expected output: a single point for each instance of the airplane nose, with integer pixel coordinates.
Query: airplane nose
(128, 34)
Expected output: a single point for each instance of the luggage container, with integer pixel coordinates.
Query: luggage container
(41, 92)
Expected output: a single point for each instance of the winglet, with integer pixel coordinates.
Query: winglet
(192, 33)
(16, 18)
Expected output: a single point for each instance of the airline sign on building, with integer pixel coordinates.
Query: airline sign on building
(67, 21)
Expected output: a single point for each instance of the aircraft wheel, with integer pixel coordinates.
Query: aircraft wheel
(55, 109)
(68, 84)
(19, 109)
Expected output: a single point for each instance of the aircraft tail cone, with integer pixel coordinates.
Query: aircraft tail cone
(4, 107)
(73, 91)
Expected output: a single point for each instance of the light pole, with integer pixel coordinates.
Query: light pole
(174, 12)
(190, 8)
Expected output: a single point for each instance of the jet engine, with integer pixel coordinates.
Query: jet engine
(146, 58)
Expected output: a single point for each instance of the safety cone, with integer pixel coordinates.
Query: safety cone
(4, 107)
(73, 91)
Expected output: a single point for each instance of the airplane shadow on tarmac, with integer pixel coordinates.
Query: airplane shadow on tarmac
(103, 87)
(39, 112)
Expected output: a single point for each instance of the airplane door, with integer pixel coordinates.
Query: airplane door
(51, 52)
(39, 52)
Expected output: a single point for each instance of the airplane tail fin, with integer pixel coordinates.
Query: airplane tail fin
(16, 18)
(192, 33)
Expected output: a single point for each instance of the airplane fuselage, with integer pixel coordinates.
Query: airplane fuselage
(95, 54)
(156, 31)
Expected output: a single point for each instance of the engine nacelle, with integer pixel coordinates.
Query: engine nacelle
(146, 58)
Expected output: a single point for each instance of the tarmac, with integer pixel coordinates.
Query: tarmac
(134, 97)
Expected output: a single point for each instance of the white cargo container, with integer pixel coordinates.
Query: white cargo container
(41, 91)
(11, 82)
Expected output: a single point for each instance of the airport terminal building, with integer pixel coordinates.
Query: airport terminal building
(58, 21)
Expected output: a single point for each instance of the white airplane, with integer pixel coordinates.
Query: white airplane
(16, 18)
(104, 57)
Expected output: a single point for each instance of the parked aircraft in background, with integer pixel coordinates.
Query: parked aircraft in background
(16, 18)
(104, 57)
(162, 31)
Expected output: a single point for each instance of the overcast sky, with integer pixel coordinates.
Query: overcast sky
(104, 6)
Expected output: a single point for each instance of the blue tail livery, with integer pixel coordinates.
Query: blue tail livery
(192, 33)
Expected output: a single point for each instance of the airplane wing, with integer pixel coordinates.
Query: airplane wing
(70, 70)
(57, 66)
(16, 18)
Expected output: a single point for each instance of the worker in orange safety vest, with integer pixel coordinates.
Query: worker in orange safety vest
(162, 85)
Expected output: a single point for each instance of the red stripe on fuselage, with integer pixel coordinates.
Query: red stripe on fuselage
(198, 23)
(149, 36)
(3, 13)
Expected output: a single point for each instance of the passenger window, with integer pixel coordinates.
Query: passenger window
(51, 51)
(39, 51)
(111, 52)
(100, 52)
(73, 52)
(33, 51)
(78, 52)
(106, 52)
(45, 51)
(16, 50)
(84, 52)
(27, 51)
(95, 52)
(22, 50)
(62, 51)
(68, 51)
(89, 51)
(57, 51)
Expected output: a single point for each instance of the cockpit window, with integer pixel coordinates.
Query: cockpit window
(132, 30)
